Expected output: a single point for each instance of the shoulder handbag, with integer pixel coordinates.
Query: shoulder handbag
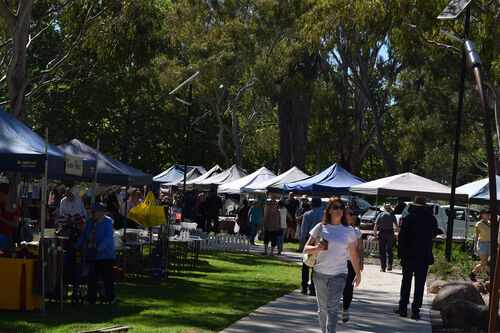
(310, 259)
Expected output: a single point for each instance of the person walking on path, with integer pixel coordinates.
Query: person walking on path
(351, 274)
(385, 222)
(292, 205)
(283, 217)
(242, 218)
(337, 242)
(482, 243)
(309, 221)
(214, 210)
(254, 217)
(271, 226)
(415, 252)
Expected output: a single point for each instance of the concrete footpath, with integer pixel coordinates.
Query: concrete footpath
(371, 309)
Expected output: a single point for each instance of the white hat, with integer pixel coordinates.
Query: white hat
(387, 207)
(304, 197)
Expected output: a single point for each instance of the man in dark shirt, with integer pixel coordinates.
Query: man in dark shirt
(191, 203)
(112, 204)
(384, 225)
(291, 205)
(214, 209)
(415, 251)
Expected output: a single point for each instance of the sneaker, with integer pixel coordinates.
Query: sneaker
(472, 276)
(382, 269)
(114, 301)
(397, 310)
(415, 315)
(304, 291)
(312, 292)
(345, 316)
(389, 268)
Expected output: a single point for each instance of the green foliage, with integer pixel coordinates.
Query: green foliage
(225, 288)
(461, 264)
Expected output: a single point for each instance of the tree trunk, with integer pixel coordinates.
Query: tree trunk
(301, 107)
(16, 71)
(285, 127)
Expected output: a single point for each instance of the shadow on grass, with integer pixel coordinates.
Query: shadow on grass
(224, 288)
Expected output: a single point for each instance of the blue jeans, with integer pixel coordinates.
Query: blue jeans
(254, 227)
(328, 292)
(281, 238)
(412, 267)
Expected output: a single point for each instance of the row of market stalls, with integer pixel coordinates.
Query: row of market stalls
(27, 158)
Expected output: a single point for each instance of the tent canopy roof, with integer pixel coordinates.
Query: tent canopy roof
(479, 191)
(407, 185)
(231, 174)
(109, 170)
(193, 174)
(210, 173)
(334, 179)
(23, 149)
(276, 184)
(174, 173)
(240, 185)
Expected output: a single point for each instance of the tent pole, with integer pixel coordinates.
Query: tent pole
(42, 217)
(94, 181)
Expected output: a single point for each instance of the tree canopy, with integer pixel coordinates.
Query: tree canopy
(370, 85)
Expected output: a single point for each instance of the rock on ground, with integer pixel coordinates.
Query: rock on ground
(436, 286)
(457, 291)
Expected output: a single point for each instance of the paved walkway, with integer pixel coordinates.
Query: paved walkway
(371, 309)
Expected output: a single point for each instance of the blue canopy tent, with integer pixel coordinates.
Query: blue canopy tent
(109, 170)
(333, 180)
(174, 173)
(479, 191)
(21, 149)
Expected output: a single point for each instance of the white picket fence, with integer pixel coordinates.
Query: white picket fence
(225, 243)
(370, 246)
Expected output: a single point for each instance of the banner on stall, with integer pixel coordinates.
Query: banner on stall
(74, 165)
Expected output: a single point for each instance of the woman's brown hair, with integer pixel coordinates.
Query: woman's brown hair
(327, 217)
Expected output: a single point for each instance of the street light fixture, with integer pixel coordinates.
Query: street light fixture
(470, 56)
(188, 129)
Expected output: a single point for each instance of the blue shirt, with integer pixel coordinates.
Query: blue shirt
(103, 239)
(309, 221)
(255, 214)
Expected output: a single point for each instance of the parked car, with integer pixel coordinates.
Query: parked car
(367, 220)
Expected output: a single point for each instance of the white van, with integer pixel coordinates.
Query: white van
(463, 225)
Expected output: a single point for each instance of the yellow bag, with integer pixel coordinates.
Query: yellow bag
(148, 213)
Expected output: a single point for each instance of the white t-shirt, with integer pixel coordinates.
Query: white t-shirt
(283, 218)
(334, 260)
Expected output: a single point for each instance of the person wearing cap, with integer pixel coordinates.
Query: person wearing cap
(254, 218)
(72, 205)
(417, 232)
(384, 226)
(98, 239)
(304, 207)
(482, 243)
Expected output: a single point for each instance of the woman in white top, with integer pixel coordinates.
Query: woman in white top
(337, 242)
(348, 290)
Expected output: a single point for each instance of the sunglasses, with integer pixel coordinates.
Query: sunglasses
(335, 207)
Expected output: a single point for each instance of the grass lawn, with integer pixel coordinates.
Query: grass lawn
(286, 246)
(225, 288)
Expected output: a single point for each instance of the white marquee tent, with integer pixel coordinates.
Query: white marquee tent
(275, 185)
(241, 184)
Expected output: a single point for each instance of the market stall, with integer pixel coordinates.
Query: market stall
(174, 173)
(191, 184)
(109, 170)
(240, 185)
(479, 191)
(407, 185)
(275, 185)
(333, 180)
(229, 175)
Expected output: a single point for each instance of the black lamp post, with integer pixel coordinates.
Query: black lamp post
(470, 56)
(188, 125)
